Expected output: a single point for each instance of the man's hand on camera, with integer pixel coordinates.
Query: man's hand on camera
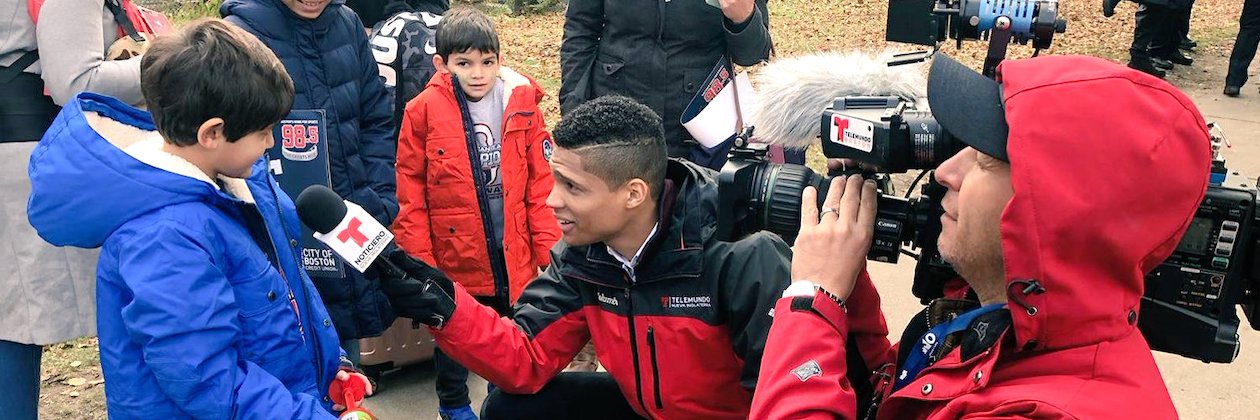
(832, 245)
(419, 292)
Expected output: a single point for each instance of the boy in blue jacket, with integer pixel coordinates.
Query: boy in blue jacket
(325, 50)
(203, 310)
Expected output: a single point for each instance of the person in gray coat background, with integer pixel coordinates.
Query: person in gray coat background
(48, 292)
(659, 53)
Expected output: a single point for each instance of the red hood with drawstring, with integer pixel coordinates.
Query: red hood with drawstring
(1108, 166)
(1099, 203)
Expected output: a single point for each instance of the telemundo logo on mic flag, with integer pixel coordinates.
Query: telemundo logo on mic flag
(359, 237)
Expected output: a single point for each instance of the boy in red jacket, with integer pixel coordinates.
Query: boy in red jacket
(473, 178)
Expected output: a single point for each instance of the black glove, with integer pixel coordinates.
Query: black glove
(416, 290)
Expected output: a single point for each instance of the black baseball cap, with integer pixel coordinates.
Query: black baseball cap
(968, 105)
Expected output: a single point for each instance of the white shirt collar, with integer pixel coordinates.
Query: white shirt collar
(630, 263)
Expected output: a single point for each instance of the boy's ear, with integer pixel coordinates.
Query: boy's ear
(440, 64)
(637, 192)
(210, 135)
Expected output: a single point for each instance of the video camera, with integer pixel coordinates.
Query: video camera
(1188, 308)
(884, 135)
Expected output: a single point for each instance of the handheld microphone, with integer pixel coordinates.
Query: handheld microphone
(345, 227)
(415, 290)
(793, 92)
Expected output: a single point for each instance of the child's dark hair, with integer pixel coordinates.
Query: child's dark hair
(465, 28)
(209, 69)
(618, 139)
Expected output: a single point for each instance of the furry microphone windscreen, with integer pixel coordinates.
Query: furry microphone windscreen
(793, 92)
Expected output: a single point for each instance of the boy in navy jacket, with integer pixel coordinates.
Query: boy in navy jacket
(325, 50)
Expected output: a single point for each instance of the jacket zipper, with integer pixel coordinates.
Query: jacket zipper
(274, 258)
(497, 260)
(656, 371)
(927, 313)
(330, 114)
(634, 339)
(885, 373)
(634, 342)
(513, 114)
(634, 349)
(306, 296)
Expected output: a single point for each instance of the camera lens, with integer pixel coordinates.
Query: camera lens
(781, 191)
(779, 209)
(929, 144)
(755, 195)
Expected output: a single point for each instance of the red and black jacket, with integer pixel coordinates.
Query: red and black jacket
(683, 339)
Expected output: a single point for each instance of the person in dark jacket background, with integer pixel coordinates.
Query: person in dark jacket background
(1244, 47)
(373, 12)
(659, 53)
(1158, 34)
(677, 316)
(326, 52)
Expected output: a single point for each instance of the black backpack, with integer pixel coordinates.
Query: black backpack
(403, 46)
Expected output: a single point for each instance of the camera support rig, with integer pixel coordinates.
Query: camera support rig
(929, 22)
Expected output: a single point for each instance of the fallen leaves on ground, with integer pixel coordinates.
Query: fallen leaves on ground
(531, 45)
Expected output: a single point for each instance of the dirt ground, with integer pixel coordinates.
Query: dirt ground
(72, 384)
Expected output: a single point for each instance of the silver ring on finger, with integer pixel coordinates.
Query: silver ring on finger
(827, 210)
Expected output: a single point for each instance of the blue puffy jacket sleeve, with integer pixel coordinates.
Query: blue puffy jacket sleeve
(378, 143)
(185, 317)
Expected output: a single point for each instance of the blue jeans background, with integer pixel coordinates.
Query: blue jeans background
(352, 348)
(19, 392)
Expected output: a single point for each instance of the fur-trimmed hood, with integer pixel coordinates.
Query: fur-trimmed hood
(792, 92)
(101, 164)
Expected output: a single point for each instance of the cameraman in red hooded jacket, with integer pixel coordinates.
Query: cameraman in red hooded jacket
(1081, 177)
